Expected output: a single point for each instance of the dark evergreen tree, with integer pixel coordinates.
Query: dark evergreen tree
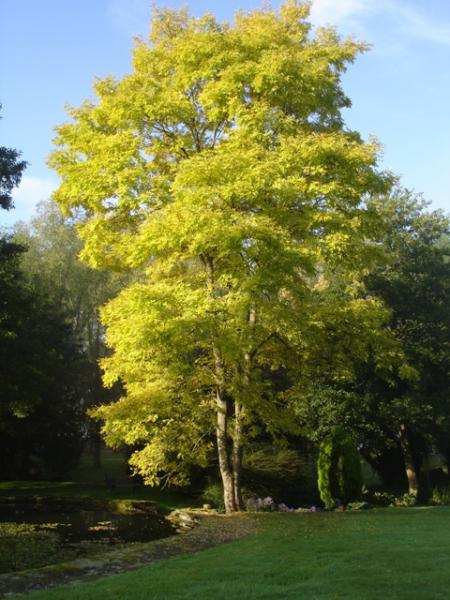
(11, 169)
(339, 470)
(41, 378)
(41, 367)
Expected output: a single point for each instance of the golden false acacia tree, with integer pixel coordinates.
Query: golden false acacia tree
(221, 171)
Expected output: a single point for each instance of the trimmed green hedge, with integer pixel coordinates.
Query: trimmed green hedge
(339, 469)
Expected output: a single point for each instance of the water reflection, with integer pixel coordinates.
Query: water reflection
(92, 525)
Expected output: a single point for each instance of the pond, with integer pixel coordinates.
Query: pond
(39, 531)
(93, 525)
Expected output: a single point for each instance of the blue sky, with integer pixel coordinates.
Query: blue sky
(51, 51)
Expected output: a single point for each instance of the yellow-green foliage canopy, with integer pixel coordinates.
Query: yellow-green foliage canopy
(222, 170)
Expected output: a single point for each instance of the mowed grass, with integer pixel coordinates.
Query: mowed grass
(401, 553)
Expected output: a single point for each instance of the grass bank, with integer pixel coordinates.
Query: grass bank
(165, 501)
(110, 481)
(399, 554)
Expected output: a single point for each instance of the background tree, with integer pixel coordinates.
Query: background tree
(390, 389)
(51, 264)
(415, 285)
(222, 169)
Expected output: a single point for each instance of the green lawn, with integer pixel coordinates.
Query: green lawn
(400, 553)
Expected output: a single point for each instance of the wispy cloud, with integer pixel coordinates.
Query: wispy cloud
(131, 17)
(336, 12)
(356, 15)
(29, 193)
(419, 25)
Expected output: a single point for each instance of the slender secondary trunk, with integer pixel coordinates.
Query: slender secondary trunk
(410, 467)
(238, 449)
(226, 471)
(237, 457)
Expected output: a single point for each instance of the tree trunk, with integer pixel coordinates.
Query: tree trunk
(410, 467)
(96, 446)
(237, 457)
(222, 449)
(238, 448)
(229, 467)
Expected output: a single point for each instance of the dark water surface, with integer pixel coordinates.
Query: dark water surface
(91, 525)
